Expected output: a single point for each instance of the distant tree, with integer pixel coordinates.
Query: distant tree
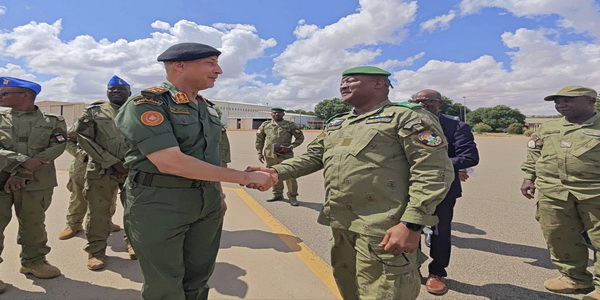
(498, 117)
(329, 107)
(453, 109)
(482, 127)
(515, 128)
(218, 111)
(300, 111)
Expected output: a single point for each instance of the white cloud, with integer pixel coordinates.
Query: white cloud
(3, 10)
(160, 25)
(438, 23)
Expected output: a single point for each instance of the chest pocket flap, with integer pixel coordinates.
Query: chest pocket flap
(363, 142)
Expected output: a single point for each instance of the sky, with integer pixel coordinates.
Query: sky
(291, 53)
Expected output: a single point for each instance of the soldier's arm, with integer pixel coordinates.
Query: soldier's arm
(225, 147)
(86, 137)
(298, 135)
(431, 171)
(73, 147)
(260, 138)
(465, 149)
(534, 151)
(58, 142)
(307, 163)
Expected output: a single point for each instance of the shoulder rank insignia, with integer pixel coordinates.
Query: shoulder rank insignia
(335, 116)
(407, 104)
(412, 123)
(383, 115)
(591, 133)
(146, 100)
(336, 122)
(152, 118)
(181, 98)
(430, 138)
(155, 90)
(177, 110)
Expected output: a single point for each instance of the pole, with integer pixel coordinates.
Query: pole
(465, 108)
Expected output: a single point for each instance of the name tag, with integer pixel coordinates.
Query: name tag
(566, 144)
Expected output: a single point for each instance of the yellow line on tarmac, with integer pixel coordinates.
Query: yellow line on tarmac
(314, 262)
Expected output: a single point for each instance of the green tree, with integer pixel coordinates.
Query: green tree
(300, 111)
(498, 117)
(482, 127)
(453, 109)
(329, 107)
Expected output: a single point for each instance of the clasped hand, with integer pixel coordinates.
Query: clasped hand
(261, 178)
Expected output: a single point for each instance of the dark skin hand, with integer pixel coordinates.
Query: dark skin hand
(399, 239)
(33, 164)
(14, 184)
(528, 189)
(119, 168)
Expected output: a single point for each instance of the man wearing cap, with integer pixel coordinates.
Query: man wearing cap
(173, 212)
(386, 169)
(562, 163)
(31, 141)
(275, 137)
(99, 137)
(463, 153)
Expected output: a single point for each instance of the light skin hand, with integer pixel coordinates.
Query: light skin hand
(260, 180)
(463, 176)
(34, 164)
(271, 172)
(14, 183)
(399, 239)
(261, 158)
(528, 188)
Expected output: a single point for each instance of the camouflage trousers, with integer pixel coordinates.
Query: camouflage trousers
(363, 270)
(563, 221)
(99, 193)
(30, 208)
(292, 184)
(78, 206)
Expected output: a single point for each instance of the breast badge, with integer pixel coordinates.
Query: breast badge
(152, 118)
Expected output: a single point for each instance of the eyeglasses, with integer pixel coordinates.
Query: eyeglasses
(2, 94)
(425, 101)
(387, 263)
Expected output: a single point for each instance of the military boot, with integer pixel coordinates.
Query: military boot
(70, 232)
(43, 270)
(96, 261)
(275, 198)
(130, 251)
(2, 286)
(293, 201)
(595, 295)
(114, 227)
(564, 284)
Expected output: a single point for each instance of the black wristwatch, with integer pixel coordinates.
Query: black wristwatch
(413, 226)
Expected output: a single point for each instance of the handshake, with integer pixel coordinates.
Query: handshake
(260, 178)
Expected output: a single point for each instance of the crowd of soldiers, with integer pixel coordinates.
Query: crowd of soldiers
(390, 169)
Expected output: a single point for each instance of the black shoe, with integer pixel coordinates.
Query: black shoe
(275, 198)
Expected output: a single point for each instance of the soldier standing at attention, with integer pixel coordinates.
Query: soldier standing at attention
(30, 142)
(173, 214)
(99, 137)
(275, 137)
(386, 169)
(562, 162)
(77, 205)
(463, 153)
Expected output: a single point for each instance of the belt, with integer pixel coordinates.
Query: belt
(167, 181)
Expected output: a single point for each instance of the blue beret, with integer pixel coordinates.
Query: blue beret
(366, 70)
(16, 82)
(188, 51)
(116, 81)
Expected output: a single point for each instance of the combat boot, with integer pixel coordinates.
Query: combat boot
(43, 270)
(293, 201)
(131, 251)
(2, 286)
(114, 227)
(595, 295)
(69, 232)
(275, 198)
(564, 284)
(96, 261)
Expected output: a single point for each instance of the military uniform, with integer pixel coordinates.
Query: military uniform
(25, 135)
(562, 159)
(381, 167)
(270, 135)
(77, 204)
(174, 223)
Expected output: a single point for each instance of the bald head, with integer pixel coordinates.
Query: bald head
(430, 99)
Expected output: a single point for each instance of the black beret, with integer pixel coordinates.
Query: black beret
(188, 51)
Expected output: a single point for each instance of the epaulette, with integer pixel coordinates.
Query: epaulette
(59, 117)
(408, 104)
(335, 116)
(98, 102)
(95, 104)
(153, 91)
(209, 102)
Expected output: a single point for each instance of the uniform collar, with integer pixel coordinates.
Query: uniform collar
(376, 109)
(587, 122)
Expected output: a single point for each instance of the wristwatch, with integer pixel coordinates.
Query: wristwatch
(413, 226)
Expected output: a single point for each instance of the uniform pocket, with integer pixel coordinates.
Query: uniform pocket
(40, 137)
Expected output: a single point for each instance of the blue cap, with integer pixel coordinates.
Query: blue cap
(16, 82)
(116, 81)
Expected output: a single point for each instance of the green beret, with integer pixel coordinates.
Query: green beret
(188, 51)
(573, 91)
(366, 70)
(277, 109)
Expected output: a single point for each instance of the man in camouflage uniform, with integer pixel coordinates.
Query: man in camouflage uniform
(386, 169)
(77, 204)
(99, 137)
(277, 135)
(562, 162)
(30, 141)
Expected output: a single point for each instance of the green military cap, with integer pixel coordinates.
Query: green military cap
(277, 109)
(366, 70)
(573, 91)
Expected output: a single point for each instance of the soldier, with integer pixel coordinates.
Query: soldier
(386, 169)
(276, 135)
(31, 141)
(77, 204)
(173, 214)
(463, 153)
(562, 162)
(99, 137)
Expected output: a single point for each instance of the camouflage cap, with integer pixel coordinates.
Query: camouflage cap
(366, 70)
(573, 91)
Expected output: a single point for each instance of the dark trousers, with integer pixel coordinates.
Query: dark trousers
(441, 243)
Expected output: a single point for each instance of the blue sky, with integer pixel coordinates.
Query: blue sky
(511, 52)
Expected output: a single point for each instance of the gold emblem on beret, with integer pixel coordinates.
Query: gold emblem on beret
(5, 81)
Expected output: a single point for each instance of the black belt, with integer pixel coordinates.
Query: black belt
(167, 181)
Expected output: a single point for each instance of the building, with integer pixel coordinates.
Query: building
(69, 110)
(534, 123)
